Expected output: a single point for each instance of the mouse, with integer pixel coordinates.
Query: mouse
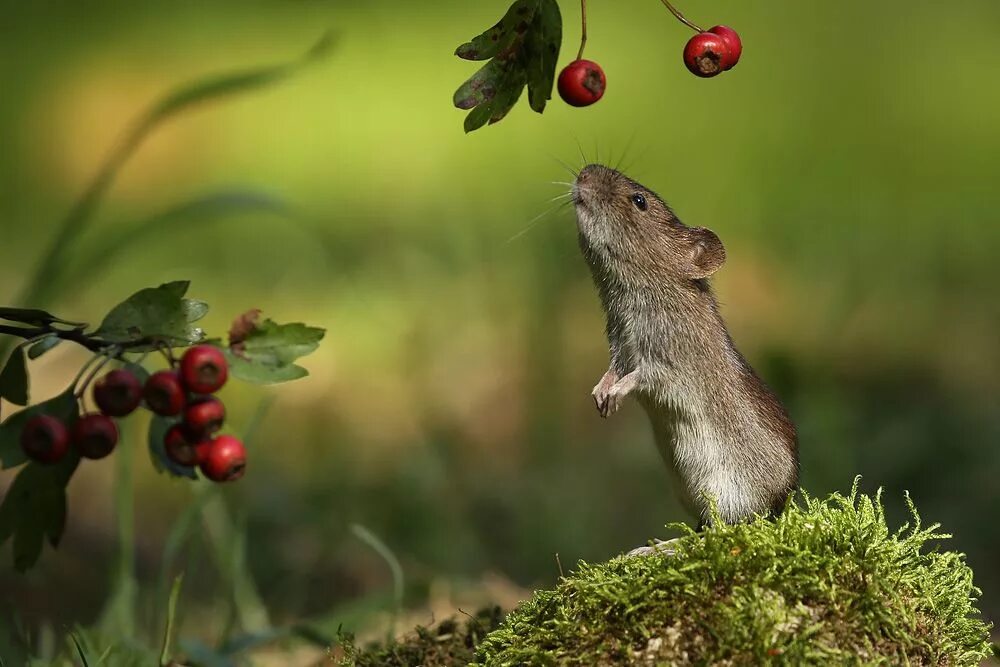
(722, 432)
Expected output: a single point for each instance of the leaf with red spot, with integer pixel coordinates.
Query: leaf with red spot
(242, 327)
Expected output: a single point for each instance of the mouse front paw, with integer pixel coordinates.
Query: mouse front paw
(602, 390)
(609, 398)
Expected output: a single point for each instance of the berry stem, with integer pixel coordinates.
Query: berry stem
(583, 31)
(680, 17)
(82, 387)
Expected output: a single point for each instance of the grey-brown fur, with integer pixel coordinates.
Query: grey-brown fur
(720, 429)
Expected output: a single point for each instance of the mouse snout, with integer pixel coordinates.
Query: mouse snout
(594, 183)
(593, 172)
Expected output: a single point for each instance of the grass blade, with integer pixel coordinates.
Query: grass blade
(389, 557)
(168, 631)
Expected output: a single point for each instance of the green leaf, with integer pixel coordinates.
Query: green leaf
(501, 36)
(542, 49)
(62, 406)
(35, 508)
(158, 427)
(522, 49)
(255, 373)
(43, 346)
(155, 312)
(14, 378)
(267, 352)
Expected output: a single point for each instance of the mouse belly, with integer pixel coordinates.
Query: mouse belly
(705, 465)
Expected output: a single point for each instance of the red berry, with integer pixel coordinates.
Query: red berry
(118, 393)
(180, 447)
(95, 436)
(164, 394)
(204, 369)
(224, 459)
(581, 83)
(204, 416)
(732, 40)
(705, 54)
(44, 439)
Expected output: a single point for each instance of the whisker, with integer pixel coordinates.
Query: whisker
(583, 155)
(536, 220)
(628, 145)
(569, 185)
(572, 172)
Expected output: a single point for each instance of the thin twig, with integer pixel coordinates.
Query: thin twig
(680, 17)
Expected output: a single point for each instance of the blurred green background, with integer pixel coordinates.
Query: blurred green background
(849, 163)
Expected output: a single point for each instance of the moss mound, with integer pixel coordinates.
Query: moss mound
(826, 583)
(451, 642)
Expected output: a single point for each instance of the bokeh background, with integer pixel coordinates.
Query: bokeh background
(849, 163)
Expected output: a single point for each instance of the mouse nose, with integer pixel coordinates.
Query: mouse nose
(591, 172)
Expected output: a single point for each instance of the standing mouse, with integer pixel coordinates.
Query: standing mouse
(722, 432)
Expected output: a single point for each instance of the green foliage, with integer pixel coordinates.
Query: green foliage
(451, 642)
(42, 346)
(14, 378)
(826, 583)
(266, 352)
(522, 49)
(155, 313)
(35, 508)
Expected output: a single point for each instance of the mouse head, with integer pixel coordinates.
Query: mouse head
(627, 227)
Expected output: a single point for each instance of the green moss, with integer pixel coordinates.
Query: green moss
(826, 583)
(451, 642)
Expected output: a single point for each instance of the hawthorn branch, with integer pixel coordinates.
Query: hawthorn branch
(92, 343)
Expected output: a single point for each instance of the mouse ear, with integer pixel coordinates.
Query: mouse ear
(707, 253)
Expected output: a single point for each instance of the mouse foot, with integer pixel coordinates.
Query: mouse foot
(663, 547)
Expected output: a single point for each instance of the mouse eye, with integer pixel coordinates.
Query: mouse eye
(640, 202)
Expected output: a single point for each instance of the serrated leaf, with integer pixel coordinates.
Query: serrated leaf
(62, 406)
(43, 346)
(155, 312)
(542, 48)
(14, 378)
(255, 373)
(265, 353)
(35, 508)
(501, 35)
(158, 427)
(523, 49)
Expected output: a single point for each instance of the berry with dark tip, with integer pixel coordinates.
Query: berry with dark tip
(204, 369)
(94, 436)
(118, 393)
(204, 416)
(180, 447)
(44, 439)
(224, 459)
(733, 43)
(581, 83)
(706, 54)
(164, 393)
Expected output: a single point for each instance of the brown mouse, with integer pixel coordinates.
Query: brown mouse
(723, 433)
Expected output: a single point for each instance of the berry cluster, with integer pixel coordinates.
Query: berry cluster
(185, 391)
(710, 52)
